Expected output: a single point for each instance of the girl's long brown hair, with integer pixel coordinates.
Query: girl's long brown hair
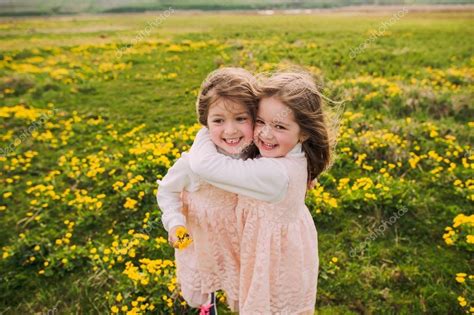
(298, 91)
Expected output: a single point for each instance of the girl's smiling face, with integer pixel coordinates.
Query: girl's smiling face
(276, 131)
(230, 126)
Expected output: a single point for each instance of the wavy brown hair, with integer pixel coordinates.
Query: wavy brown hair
(236, 85)
(299, 92)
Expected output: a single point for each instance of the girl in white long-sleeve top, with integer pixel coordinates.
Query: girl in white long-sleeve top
(227, 106)
(278, 238)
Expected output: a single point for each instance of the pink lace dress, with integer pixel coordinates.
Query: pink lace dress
(279, 250)
(212, 261)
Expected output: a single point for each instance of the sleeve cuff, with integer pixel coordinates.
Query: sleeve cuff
(178, 220)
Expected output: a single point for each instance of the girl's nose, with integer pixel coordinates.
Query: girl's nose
(230, 129)
(266, 132)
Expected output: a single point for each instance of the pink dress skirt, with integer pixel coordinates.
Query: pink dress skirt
(212, 261)
(279, 250)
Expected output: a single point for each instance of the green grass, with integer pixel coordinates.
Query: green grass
(426, 58)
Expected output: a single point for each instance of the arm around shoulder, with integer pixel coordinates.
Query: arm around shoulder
(264, 178)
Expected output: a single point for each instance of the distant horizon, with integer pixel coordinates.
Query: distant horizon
(51, 7)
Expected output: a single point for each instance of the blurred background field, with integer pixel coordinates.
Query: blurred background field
(50, 7)
(95, 109)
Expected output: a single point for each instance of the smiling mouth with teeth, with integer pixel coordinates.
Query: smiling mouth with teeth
(267, 146)
(232, 141)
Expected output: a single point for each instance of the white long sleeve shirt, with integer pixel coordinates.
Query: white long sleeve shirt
(179, 178)
(263, 178)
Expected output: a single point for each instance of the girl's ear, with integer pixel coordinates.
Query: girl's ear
(303, 138)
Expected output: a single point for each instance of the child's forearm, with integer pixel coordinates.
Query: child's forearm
(169, 195)
(171, 208)
(264, 179)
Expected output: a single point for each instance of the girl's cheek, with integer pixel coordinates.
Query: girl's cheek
(214, 133)
(257, 130)
(249, 130)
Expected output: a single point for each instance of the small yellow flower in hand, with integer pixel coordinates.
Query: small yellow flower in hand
(180, 237)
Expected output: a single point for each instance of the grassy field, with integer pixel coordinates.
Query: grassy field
(97, 107)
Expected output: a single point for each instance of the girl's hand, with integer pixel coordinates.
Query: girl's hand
(172, 237)
(178, 237)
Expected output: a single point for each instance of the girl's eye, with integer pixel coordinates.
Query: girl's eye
(217, 121)
(259, 122)
(240, 119)
(280, 127)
